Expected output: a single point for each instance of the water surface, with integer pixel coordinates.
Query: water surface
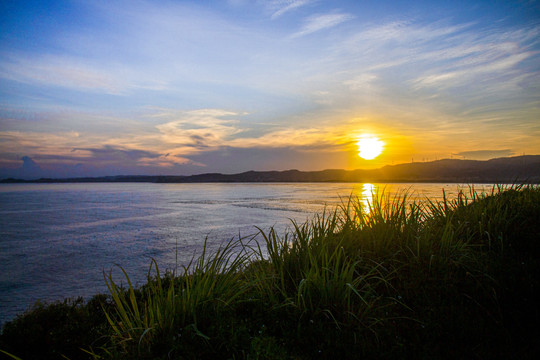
(57, 239)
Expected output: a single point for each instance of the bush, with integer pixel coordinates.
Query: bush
(50, 331)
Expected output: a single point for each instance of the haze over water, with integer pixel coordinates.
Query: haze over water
(57, 239)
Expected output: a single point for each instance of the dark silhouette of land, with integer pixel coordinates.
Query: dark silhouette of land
(501, 170)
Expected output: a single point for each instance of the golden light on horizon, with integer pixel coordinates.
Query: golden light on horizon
(369, 147)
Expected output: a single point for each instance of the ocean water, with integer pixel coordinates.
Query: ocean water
(57, 240)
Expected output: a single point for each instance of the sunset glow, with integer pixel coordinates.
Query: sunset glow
(94, 88)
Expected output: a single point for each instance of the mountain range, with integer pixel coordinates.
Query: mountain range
(501, 170)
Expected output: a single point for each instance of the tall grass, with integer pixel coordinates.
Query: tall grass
(153, 318)
(393, 278)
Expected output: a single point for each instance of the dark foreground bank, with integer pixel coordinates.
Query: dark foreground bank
(451, 279)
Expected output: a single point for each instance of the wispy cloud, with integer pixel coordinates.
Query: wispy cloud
(435, 45)
(191, 131)
(447, 69)
(110, 155)
(281, 7)
(32, 142)
(59, 71)
(406, 32)
(472, 69)
(208, 129)
(361, 82)
(320, 22)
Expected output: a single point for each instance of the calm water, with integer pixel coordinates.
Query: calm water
(57, 239)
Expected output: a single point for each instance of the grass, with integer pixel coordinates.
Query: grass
(450, 279)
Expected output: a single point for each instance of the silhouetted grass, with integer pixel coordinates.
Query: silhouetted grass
(451, 279)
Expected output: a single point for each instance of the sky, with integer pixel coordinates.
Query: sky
(94, 88)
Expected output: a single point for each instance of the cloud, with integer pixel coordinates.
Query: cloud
(420, 75)
(127, 47)
(58, 71)
(110, 153)
(435, 47)
(33, 142)
(485, 154)
(227, 160)
(31, 169)
(195, 130)
(295, 137)
(29, 164)
(361, 82)
(192, 132)
(28, 170)
(320, 22)
(87, 148)
(469, 73)
(281, 7)
(407, 32)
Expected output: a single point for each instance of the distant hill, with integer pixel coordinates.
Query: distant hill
(519, 168)
(502, 170)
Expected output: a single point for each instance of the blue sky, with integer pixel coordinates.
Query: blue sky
(93, 88)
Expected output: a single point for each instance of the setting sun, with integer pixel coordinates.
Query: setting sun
(369, 147)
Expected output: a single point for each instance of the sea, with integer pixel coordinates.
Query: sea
(58, 240)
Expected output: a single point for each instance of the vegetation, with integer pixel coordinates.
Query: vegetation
(451, 279)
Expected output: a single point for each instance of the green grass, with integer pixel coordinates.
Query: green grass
(450, 279)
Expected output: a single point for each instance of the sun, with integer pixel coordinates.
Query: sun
(369, 147)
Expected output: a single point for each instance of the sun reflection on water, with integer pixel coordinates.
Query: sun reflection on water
(366, 197)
